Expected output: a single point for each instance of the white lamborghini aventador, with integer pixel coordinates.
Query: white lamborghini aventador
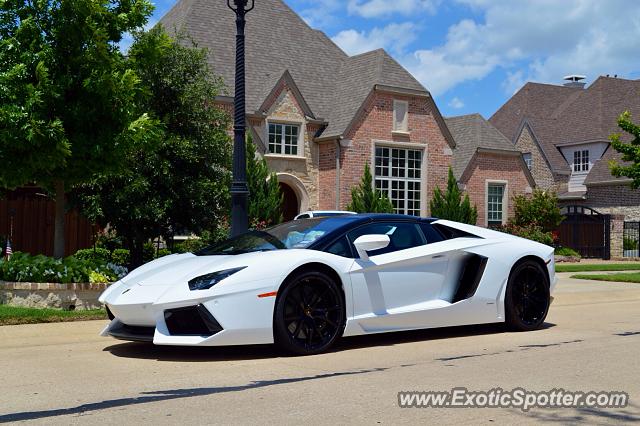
(306, 283)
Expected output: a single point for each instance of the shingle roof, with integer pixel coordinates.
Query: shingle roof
(471, 132)
(333, 84)
(559, 115)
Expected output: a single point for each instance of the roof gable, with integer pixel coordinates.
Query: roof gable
(558, 115)
(286, 81)
(471, 133)
(333, 85)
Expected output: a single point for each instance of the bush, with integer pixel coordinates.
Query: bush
(26, 268)
(531, 232)
(120, 257)
(366, 199)
(630, 243)
(566, 251)
(451, 205)
(189, 246)
(540, 208)
(94, 254)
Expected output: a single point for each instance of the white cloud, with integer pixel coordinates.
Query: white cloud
(393, 37)
(378, 8)
(322, 13)
(456, 103)
(539, 41)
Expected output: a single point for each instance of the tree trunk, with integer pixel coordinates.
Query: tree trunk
(136, 252)
(58, 236)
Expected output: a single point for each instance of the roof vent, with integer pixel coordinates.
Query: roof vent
(575, 80)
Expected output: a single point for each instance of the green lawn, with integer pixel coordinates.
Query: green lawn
(579, 267)
(12, 315)
(629, 277)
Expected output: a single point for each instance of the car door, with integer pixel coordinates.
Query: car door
(404, 277)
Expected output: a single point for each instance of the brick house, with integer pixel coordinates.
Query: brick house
(563, 132)
(488, 167)
(318, 115)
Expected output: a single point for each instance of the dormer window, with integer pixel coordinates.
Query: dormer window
(401, 116)
(581, 161)
(283, 138)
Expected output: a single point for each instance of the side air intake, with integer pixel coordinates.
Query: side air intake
(472, 272)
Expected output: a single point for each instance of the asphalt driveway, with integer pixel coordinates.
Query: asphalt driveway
(66, 374)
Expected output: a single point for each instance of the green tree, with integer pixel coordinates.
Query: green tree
(451, 205)
(179, 183)
(265, 197)
(366, 199)
(540, 209)
(630, 151)
(68, 101)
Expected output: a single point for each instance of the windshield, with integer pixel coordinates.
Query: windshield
(298, 234)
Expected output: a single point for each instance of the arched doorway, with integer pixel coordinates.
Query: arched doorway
(289, 202)
(296, 197)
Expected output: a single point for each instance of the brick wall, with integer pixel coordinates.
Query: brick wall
(612, 199)
(375, 123)
(487, 166)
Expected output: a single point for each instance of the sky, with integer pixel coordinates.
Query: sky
(473, 55)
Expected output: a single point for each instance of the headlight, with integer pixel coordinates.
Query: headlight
(207, 281)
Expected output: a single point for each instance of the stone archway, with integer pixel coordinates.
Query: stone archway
(296, 197)
(289, 205)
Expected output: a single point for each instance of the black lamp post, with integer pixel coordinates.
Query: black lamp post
(239, 188)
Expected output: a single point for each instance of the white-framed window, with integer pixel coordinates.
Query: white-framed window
(400, 116)
(495, 203)
(283, 138)
(581, 161)
(528, 160)
(398, 175)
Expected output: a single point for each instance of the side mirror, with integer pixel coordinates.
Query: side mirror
(372, 242)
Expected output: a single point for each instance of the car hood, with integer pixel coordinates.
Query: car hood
(176, 268)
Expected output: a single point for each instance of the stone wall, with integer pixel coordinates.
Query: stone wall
(304, 167)
(79, 296)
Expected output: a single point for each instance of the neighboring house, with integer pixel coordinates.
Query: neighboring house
(563, 132)
(488, 167)
(318, 115)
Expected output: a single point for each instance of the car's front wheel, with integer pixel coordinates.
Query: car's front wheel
(309, 313)
(527, 298)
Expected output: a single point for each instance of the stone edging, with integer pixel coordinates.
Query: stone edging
(10, 285)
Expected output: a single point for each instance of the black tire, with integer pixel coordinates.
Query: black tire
(527, 298)
(309, 315)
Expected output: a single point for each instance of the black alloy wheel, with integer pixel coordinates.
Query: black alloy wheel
(527, 299)
(309, 315)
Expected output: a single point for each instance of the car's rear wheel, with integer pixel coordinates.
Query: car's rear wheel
(309, 314)
(527, 298)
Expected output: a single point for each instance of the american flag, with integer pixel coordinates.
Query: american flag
(8, 252)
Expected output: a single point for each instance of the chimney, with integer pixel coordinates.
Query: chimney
(575, 80)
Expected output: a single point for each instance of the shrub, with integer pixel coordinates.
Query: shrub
(366, 199)
(630, 243)
(94, 254)
(566, 251)
(540, 208)
(451, 205)
(120, 257)
(531, 232)
(26, 268)
(189, 246)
